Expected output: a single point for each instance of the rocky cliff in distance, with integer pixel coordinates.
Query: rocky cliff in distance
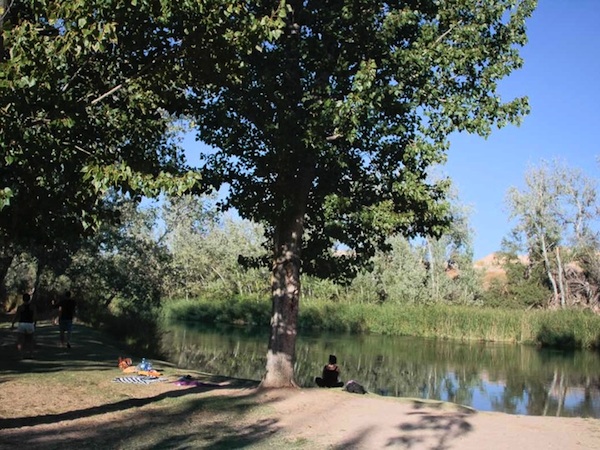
(492, 267)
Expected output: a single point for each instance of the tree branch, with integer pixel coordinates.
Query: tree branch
(127, 81)
(447, 32)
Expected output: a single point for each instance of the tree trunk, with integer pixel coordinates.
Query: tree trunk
(561, 283)
(293, 186)
(548, 268)
(434, 290)
(285, 288)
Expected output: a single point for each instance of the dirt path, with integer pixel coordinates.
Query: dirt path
(68, 398)
(342, 421)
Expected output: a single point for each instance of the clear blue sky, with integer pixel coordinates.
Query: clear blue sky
(561, 77)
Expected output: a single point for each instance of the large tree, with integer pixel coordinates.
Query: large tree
(88, 93)
(327, 134)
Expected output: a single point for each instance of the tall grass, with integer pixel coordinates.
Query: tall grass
(564, 329)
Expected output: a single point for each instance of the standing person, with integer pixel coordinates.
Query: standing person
(66, 313)
(26, 316)
(331, 374)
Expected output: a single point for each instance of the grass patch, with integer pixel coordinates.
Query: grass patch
(67, 398)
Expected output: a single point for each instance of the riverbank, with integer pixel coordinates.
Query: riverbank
(68, 397)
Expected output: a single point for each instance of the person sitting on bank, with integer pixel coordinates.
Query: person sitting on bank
(331, 374)
(26, 316)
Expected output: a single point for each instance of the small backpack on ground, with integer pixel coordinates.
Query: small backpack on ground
(355, 388)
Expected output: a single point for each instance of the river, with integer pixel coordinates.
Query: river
(514, 379)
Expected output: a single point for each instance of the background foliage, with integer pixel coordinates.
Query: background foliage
(179, 258)
(291, 96)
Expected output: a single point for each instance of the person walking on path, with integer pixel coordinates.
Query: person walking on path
(66, 313)
(26, 316)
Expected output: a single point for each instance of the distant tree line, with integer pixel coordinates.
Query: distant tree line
(556, 215)
(185, 248)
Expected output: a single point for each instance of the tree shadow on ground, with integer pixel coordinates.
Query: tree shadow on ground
(214, 422)
(423, 429)
(119, 406)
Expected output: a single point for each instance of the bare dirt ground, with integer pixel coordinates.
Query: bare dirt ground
(68, 398)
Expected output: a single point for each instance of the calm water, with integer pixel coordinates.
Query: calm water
(488, 377)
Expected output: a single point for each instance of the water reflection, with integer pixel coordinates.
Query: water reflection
(488, 377)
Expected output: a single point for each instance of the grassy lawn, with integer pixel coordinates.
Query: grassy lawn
(68, 397)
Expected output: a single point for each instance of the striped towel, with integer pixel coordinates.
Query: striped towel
(139, 380)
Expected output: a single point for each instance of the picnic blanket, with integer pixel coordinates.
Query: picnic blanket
(139, 380)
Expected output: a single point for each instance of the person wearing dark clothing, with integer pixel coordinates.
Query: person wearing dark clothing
(66, 313)
(26, 316)
(331, 374)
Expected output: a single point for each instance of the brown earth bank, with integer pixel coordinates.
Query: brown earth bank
(67, 398)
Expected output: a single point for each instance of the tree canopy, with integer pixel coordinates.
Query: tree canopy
(88, 94)
(346, 113)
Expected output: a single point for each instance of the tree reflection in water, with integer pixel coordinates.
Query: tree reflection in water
(489, 377)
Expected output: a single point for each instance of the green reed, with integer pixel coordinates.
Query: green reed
(564, 329)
